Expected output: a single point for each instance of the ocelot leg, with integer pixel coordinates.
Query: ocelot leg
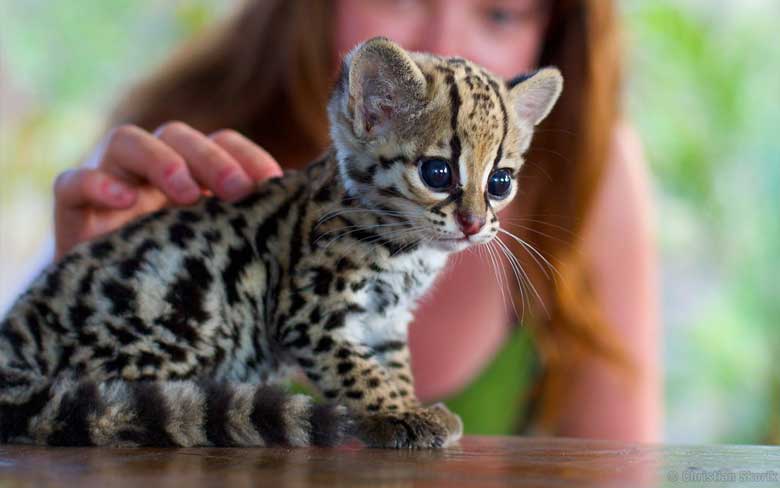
(375, 383)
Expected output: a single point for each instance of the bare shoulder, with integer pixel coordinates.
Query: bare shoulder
(624, 203)
(620, 238)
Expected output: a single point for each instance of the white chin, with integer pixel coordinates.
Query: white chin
(451, 245)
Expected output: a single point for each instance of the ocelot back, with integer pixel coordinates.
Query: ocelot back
(172, 330)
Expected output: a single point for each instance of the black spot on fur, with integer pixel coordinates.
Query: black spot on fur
(139, 326)
(212, 236)
(116, 365)
(148, 359)
(72, 417)
(238, 260)
(390, 192)
(188, 217)
(359, 176)
(122, 297)
(85, 283)
(151, 416)
(335, 320)
(267, 415)
(389, 163)
(301, 341)
(327, 426)
(305, 362)
(345, 367)
(120, 334)
(14, 419)
(322, 195)
(325, 344)
(186, 297)
(239, 224)
(315, 316)
(176, 354)
(344, 264)
(322, 280)
(101, 249)
(180, 234)
(130, 266)
(218, 398)
(389, 346)
(214, 207)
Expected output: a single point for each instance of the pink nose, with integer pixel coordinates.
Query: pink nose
(469, 223)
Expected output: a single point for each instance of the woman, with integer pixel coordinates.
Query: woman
(257, 86)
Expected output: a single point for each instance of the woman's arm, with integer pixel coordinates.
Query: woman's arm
(620, 248)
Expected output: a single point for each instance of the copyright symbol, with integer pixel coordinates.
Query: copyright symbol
(672, 476)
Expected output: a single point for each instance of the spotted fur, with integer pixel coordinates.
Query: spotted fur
(172, 330)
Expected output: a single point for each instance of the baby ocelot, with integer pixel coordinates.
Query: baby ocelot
(173, 330)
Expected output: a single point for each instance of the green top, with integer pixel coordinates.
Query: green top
(495, 402)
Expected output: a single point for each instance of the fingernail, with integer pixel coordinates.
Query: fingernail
(116, 191)
(182, 184)
(236, 184)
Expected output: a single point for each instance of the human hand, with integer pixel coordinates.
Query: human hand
(133, 172)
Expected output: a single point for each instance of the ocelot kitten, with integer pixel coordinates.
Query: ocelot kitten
(172, 330)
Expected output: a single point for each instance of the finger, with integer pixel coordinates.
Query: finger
(255, 161)
(133, 154)
(91, 187)
(211, 165)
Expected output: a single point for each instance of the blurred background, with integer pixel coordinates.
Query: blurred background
(703, 89)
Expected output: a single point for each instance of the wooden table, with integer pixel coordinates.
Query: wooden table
(478, 461)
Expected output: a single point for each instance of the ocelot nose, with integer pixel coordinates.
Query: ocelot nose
(469, 222)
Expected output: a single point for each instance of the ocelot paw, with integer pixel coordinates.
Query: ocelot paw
(421, 428)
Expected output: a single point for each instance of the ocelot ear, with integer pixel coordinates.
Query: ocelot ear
(385, 87)
(533, 95)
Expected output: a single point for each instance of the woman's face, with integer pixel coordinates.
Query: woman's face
(502, 35)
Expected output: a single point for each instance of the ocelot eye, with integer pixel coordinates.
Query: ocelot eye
(500, 183)
(436, 173)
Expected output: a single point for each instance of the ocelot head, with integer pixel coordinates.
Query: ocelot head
(438, 141)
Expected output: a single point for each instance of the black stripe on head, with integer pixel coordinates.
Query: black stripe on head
(455, 196)
(456, 102)
(151, 416)
(267, 415)
(388, 163)
(500, 152)
(75, 408)
(218, 398)
(328, 425)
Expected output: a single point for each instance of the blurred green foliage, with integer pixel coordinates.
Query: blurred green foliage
(703, 89)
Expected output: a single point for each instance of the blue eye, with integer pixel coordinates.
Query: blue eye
(436, 173)
(500, 183)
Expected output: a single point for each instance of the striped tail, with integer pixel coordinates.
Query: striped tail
(170, 413)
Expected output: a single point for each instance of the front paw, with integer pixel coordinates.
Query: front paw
(422, 428)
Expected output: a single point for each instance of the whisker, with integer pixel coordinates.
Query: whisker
(531, 251)
(518, 268)
(536, 231)
(495, 264)
(499, 252)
